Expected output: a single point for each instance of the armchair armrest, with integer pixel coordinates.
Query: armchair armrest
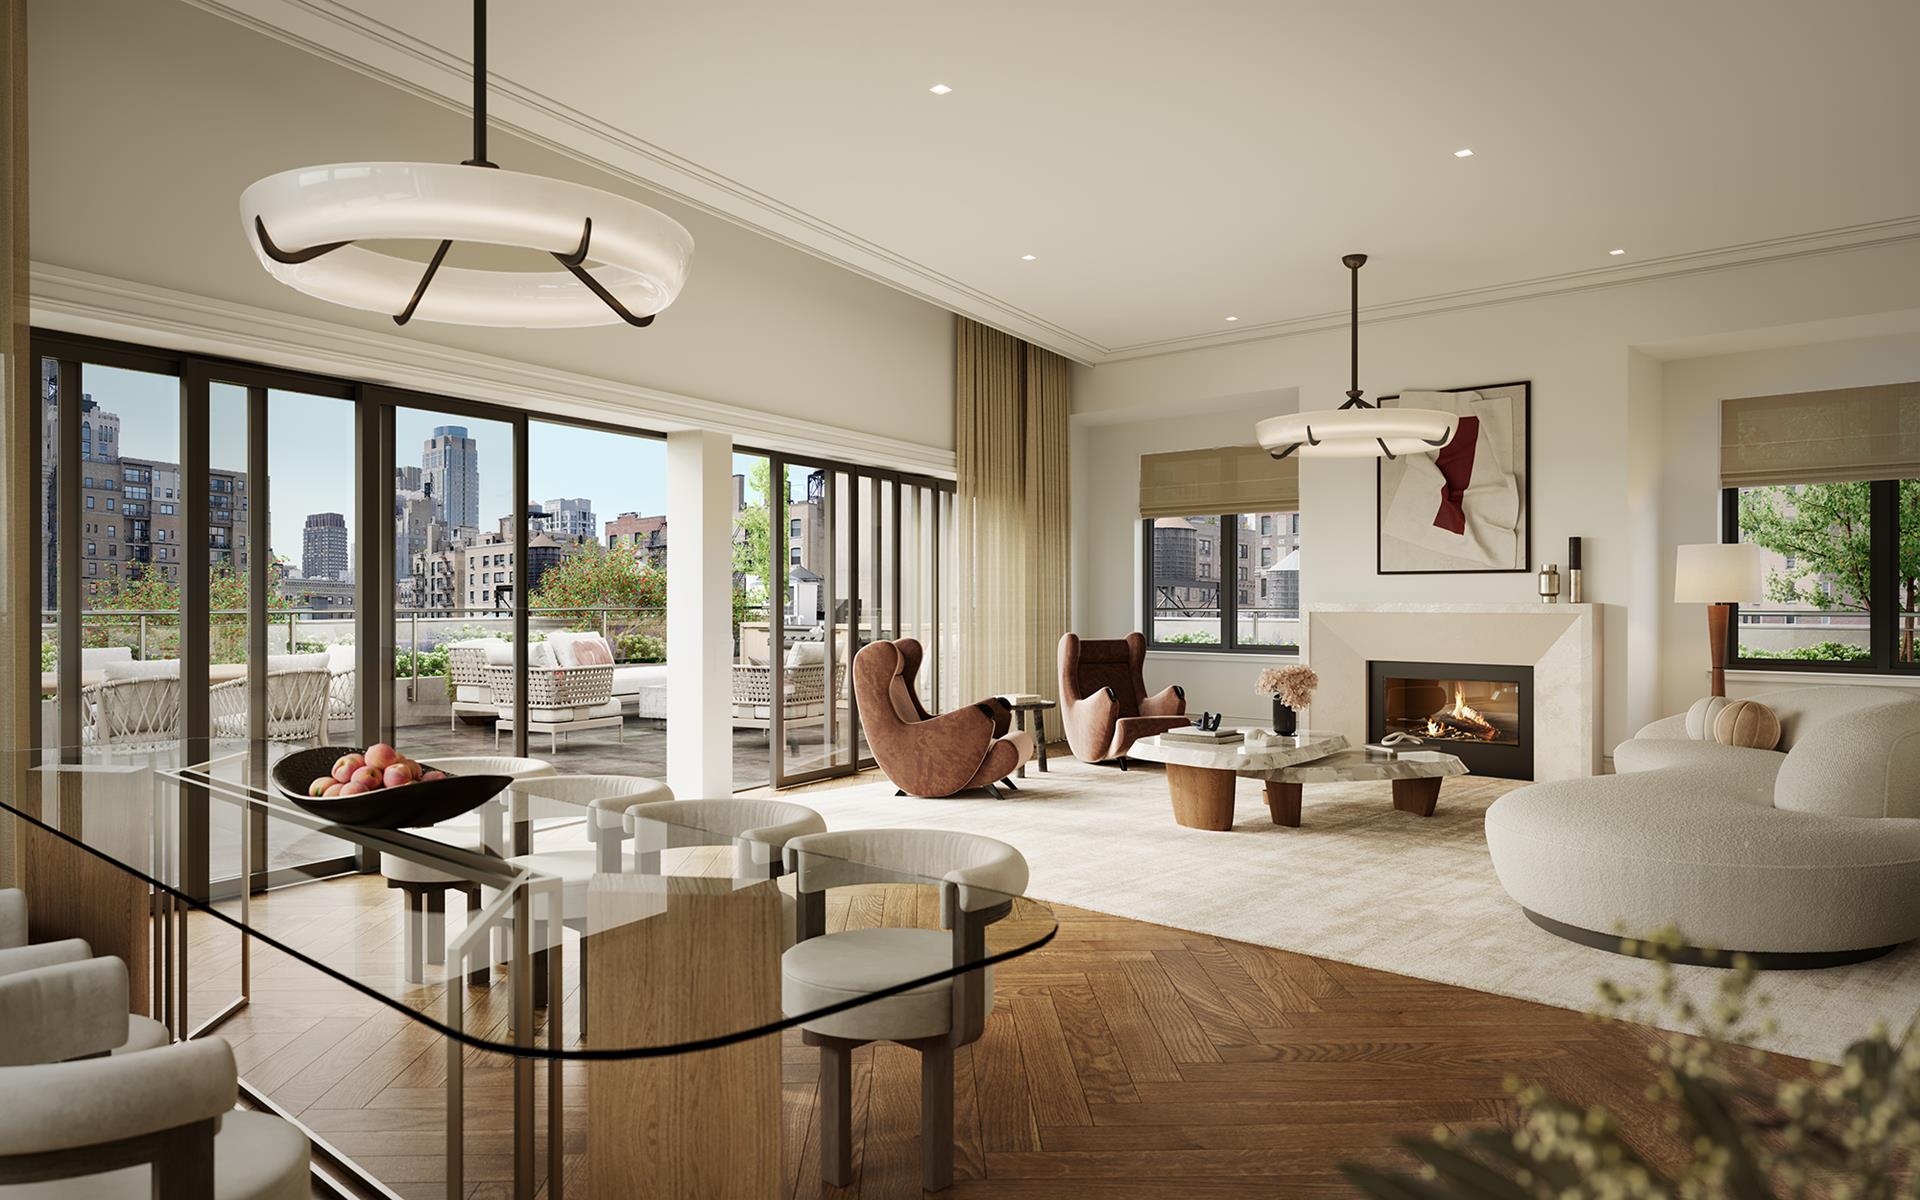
(1171, 702)
(1089, 721)
(13, 918)
(66, 1010)
(103, 1100)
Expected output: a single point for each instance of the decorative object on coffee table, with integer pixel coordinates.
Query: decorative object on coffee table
(1719, 575)
(1292, 690)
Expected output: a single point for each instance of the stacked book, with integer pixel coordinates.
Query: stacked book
(1193, 735)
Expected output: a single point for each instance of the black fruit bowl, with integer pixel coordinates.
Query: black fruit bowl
(410, 807)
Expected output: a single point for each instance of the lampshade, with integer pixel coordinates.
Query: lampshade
(1719, 573)
(1357, 432)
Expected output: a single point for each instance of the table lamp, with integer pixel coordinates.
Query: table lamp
(1719, 575)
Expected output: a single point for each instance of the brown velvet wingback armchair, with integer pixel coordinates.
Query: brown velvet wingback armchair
(1103, 697)
(959, 751)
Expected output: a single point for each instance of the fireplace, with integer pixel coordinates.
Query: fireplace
(1480, 712)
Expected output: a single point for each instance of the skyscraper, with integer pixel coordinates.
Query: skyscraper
(570, 519)
(450, 465)
(323, 548)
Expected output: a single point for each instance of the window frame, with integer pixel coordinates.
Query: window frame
(1228, 590)
(1883, 605)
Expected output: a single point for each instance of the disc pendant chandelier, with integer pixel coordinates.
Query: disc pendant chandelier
(1356, 429)
(614, 259)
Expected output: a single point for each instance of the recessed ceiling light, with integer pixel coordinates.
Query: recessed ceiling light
(1233, 318)
(1616, 253)
(1463, 153)
(939, 89)
(1026, 258)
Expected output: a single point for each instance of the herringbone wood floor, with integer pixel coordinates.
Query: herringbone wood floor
(1122, 1060)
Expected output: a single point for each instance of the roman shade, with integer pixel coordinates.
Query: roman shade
(1228, 479)
(1821, 437)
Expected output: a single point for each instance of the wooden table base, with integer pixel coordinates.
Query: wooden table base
(1417, 796)
(1283, 801)
(1202, 797)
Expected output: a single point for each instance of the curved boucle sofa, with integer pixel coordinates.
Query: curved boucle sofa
(1808, 855)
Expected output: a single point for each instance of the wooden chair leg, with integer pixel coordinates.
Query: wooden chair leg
(836, 1113)
(936, 1117)
(481, 976)
(183, 1166)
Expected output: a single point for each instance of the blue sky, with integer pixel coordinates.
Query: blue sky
(310, 451)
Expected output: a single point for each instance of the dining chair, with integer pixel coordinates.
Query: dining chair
(759, 829)
(943, 1006)
(71, 1010)
(159, 1123)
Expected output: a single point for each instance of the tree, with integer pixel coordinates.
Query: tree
(596, 576)
(1826, 531)
(152, 592)
(753, 542)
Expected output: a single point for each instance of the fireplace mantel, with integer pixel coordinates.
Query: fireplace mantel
(1560, 642)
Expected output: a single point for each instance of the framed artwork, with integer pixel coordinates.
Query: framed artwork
(1467, 507)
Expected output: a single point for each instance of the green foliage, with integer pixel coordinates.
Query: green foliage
(432, 662)
(226, 596)
(640, 647)
(1827, 531)
(1197, 637)
(596, 577)
(49, 656)
(1851, 1130)
(1818, 652)
(753, 542)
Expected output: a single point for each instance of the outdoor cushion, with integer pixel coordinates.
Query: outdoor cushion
(159, 668)
(297, 662)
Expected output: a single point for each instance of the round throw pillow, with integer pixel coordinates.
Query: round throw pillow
(1701, 716)
(1749, 724)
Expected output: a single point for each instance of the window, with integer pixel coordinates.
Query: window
(1184, 602)
(1842, 575)
(793, 527)
(89, 503)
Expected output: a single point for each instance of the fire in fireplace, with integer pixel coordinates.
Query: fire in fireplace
(1481, 712)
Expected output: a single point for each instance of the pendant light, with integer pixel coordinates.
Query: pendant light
(618, 260)
(1356, 429)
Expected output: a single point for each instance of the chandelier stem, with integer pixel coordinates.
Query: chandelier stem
(479, 158)
(1353, 389)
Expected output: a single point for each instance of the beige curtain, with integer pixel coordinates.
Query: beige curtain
(1229, 479)
(1821, 437)
(1010, 454)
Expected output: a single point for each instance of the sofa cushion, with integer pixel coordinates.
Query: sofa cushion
(1701, 716)
(1865, 766)
(1802, 710)
(159, 668)
(340, 657)
(1748, 724)
(96, 658)
(297, 662)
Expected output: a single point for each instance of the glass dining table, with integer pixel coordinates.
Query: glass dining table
(600, 1007)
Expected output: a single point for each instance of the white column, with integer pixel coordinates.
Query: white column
(700, 614)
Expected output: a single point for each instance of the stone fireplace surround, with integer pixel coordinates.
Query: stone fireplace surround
(1560, 642)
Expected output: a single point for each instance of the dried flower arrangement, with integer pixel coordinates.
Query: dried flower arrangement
(1292, 685)
(1851, 1130)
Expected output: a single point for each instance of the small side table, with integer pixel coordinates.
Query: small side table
(1038, 706)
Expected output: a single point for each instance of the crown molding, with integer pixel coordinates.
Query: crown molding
(81, 302)
(1724, 258)
(333, 31)
(340, 35)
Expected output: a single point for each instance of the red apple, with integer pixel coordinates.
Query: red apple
(368, 775)
(381, 756)
(346, 765)
(320, 785)
(354, 788)
(399, 774)
(430, 776)
(333, 789)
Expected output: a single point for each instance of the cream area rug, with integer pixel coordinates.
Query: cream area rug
(1358, 882)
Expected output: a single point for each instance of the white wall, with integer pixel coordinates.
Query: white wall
(150, 116)
(1593, 439)
(1692, 389)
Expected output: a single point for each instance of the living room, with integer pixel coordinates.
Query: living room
(1227, 599)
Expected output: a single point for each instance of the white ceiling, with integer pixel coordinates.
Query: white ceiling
(1173, 164)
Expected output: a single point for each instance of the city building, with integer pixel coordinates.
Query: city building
(646, 537)
(450, 473)
(324, 549)
(570, 520)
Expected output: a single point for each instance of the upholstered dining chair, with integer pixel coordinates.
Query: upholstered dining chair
(73, 1009)
(759, 829)
(1103, 697)
(968, 749)
(13, 918)
(980, 877)
(425, 889)
(159, 1123)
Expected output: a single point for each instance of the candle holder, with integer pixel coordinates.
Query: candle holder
(1576, 593)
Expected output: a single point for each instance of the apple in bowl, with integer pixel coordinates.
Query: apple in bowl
(379, 768)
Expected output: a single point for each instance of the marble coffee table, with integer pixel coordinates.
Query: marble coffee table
(1416, 776)
(1200, 778)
